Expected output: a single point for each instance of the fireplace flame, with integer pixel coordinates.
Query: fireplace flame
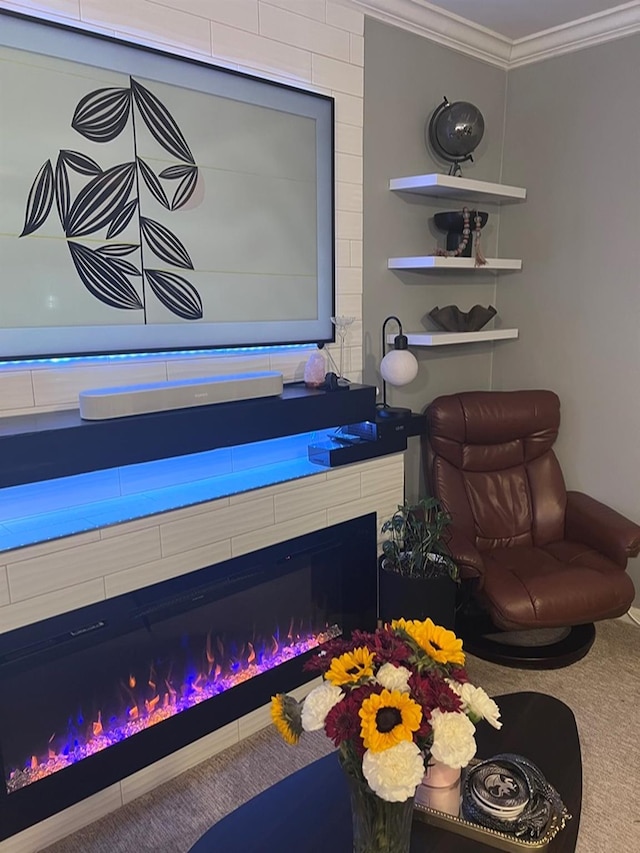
(97, 725)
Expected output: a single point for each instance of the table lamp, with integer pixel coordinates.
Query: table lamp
(398, 367)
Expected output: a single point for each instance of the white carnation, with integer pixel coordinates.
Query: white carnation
(477, 703)
(317, 705)
(395, 773)
(453, 738)
(394, 677)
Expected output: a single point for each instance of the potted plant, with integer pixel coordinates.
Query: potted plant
(417, 574)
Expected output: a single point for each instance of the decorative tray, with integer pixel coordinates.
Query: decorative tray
(491, 837)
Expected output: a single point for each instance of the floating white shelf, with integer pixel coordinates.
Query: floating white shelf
(436, 262)
(438, 339)
(447, 186)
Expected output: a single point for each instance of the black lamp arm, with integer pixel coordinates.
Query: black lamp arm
(384, 351)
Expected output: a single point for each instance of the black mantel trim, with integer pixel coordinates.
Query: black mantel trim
(58, 444)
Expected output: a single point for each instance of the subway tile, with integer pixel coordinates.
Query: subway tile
(344, 511)
(349, 109)
(350, 280)
(343, 253)
(356, 49)
(173, 471)
(387, 480)
(242, 14)
(350, 304)
(4, 587)
(172, 765)
(44, 529)
(150, 20)
(291, 364)
(76, 565)
(349, 224)
(245, 543)
(271, 452)
(349, 169)
(285, 26)
(311, 497)
(45, 548)
(60, 386)
(214, 526)
(33, 499)
(356, 253)
(167, 567)
(340, 15)
(259, 52)
(315, 9)
(185, 368)
(349, 139)
(154, 519)
(16, 389)
(64, 823)
(276, 489)
(66, 8)
(119, 511)
(349, 198)
(50, 604)
(337, 75)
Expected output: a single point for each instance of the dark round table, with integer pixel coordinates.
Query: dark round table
(309, 811)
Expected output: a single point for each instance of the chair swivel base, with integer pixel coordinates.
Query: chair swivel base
(571, 647)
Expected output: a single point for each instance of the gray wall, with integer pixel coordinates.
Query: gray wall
(572, 138)
(405, 79)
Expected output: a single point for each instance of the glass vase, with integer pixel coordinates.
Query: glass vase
(378, 825)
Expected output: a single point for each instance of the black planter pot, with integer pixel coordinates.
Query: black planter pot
(416, 598)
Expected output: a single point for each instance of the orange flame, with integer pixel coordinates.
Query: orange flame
(133, 712)
(97, 726)
(132, 681)
(252, 653)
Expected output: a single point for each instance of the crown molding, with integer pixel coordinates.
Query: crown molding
(445, 28)
(595, 29)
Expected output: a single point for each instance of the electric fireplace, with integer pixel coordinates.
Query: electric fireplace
(91, 696)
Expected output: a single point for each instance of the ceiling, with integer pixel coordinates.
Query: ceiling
(516, 19)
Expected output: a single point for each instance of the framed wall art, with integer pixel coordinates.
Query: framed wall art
(151, 202)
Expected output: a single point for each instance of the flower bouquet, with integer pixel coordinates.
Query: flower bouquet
(391, 701)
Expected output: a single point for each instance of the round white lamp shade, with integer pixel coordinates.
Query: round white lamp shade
(399, 367)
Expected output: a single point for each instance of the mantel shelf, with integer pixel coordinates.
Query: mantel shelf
(437, 339)
(436, 262)
(447, 186)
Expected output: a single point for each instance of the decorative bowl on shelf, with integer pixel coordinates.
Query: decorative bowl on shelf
(452, 319)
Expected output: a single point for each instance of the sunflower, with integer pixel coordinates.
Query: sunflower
(351, 667)
(387, 719)
(439, 643)
(286, 714)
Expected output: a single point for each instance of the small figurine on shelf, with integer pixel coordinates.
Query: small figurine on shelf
(316, 368)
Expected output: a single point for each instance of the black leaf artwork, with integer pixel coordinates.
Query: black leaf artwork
(118, 249)
(185, 189)
(102, 115)
(40, 200)
(63, 190)
(161, 123)
(176, 294)
(172, 173)
(164, 244)
(79, 162)
(110, 198)
(95, 203)
(103, 279)
(122, 218)
(153, 184)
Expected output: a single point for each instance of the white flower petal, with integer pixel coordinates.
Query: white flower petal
(317, 705)
(395, 773)
(453, 738)
(394, 677)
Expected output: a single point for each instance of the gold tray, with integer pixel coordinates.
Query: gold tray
(491, 837)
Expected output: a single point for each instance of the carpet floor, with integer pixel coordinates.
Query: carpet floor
(603, 690)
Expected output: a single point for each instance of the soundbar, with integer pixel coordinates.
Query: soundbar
(98, 404)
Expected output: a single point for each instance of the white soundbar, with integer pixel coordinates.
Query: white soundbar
(99, 404)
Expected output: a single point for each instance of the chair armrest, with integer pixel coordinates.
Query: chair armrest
(602, 528)
(466, 556)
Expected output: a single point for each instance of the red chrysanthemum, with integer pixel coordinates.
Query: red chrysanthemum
(459, 674)
(387, 646)
(343, 720)
(321, 661)
(446, 699)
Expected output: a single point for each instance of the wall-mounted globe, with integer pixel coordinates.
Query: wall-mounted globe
(454, 131)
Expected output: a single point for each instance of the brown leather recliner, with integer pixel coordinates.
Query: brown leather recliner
(542, 557)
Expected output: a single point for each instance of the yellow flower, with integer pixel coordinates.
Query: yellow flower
(286, 714)
(439, 643)
(388, 718)
(351, 667)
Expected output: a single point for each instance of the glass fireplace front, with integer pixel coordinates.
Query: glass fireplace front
(91, 696)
